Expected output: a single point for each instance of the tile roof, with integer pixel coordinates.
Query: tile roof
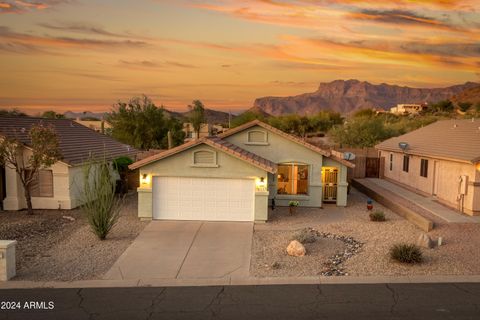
(290, 137)
(216, 143)
(447, 139)
(76, 141)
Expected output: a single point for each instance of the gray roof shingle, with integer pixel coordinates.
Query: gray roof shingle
(76, 141)
(449, 139)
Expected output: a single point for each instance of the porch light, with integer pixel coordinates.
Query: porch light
(145, 179)
(260, 184)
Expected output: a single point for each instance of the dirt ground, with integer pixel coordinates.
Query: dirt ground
(458, 256)
(53, 248)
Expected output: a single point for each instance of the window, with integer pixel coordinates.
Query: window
(204, 158)
(391, 161)
(292, 179)
(406, 163)
(42, 184)
(257, 137)
(424, 168)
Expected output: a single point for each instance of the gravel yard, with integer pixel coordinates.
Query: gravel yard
(458, 256)
(52, 248)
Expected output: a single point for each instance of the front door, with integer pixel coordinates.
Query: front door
(329, 182)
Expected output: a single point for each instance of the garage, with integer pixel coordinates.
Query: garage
(212, 199)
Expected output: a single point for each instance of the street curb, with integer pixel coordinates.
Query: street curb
(231, 281)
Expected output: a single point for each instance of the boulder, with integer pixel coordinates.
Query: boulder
(296, 249)
(425, 241)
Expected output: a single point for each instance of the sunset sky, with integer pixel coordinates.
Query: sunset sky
(86, 55)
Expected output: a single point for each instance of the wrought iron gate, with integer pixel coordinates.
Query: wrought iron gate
(329, 182)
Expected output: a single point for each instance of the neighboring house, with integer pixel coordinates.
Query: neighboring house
(60, 185)
(236, 175)
(100, 126)
(405, 109)
(441, 159)
(206, 130)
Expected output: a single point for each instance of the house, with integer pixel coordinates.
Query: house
(100, 126)
(405, 109)
(206, 130)
(440, 160)
(236, 175)
(58, 186)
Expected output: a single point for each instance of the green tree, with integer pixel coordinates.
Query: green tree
(197, 116)
(246, 117)
(443, 106)
(142, 124)
(12, 112)
(45, 152)
(362, 132)
(464, 106)
(50, 114)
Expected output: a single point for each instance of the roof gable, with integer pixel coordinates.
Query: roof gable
(285, 135)
(218, 144)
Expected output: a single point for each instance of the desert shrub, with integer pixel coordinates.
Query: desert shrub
(406, 253)
(100, 204)
(377, 216)
(306, 235)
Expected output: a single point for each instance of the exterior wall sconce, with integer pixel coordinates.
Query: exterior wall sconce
(260, 184)
(145, 179)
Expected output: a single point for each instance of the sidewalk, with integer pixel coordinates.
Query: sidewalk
(426, 203)
(236, 281)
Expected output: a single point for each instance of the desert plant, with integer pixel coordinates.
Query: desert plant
(306, 235)
(377, 216)
(406, 253)
(100, 204)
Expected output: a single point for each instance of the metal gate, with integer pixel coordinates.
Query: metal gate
(329, 182)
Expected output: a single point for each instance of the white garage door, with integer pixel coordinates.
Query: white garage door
(176, 198)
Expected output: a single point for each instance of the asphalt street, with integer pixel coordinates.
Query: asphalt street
(332, 301)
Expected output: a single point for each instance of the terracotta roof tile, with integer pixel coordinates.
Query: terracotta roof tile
(216, 143)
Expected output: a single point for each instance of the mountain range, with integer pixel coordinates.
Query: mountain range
(347, 96)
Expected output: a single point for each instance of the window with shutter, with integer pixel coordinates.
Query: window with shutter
(257, 137)
(42, 184)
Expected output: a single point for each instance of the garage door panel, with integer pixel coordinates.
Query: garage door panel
(176, 198)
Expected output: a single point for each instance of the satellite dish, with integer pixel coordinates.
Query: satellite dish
(403, 145)
(348, 156)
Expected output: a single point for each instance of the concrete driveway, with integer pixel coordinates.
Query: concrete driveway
(187, 250)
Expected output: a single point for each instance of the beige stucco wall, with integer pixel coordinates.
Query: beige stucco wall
(280, 150)
(180, 165)
(15, 199)
(447, 174)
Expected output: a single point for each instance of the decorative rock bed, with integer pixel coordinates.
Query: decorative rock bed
(333, 266)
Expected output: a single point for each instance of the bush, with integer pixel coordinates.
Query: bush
(377, 216)
(406, 253)
(293, 203)
(100, 204)
(306, 235)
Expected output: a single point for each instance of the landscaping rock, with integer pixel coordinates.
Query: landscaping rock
(425, 241)
(296, 249)
(70, 218)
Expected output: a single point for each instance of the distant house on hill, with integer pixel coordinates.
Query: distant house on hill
(441, 159)
(206, 130)
(405, 109)
(60, 185)
(100, 126)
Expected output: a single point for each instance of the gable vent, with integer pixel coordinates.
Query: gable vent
(257, 136)
(204, 157)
